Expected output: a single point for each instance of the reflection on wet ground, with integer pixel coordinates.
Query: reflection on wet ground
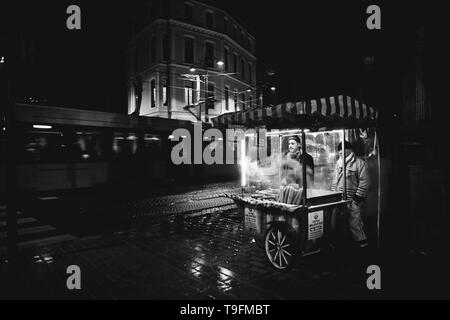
(205, 257)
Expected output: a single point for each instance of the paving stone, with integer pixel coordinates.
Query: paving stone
(189, 250)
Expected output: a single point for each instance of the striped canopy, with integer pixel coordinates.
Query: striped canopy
(332, 112)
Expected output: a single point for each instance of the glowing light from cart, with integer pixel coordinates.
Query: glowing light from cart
(287, 132)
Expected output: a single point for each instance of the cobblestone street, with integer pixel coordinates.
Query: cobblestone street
(209, 257)
(187, 246)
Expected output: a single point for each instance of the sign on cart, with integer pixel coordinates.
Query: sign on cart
(250, 218)
(315, 225)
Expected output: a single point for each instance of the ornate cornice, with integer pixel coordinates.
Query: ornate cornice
(194, 28)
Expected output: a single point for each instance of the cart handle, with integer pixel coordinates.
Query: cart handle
(322, 206)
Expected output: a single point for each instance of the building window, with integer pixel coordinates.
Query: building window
(242, 101)
(153, 49)
(153, 93)
(250, 102)
(165, 47)
(243, 69)
(209, 54)
(225, 53)
(235, 100)
(209, 20)
(210, 96)
(234, 32)
(189, 50)
(235, 59)
(225, 25)
(189, 93)
(227, 97)
(250, 72)
(165, 102)
(189, 12)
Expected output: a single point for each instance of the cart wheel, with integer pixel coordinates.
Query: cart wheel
(280, 246)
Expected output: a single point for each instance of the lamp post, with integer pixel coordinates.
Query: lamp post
(204, 63)
(260, 91)
(8, 66)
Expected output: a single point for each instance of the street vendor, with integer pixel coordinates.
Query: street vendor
(358, 184)
(293, 161)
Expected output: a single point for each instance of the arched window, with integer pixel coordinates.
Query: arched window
(227, 97)
(209, 17)
(153, 93)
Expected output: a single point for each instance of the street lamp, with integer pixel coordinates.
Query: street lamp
(205, 62)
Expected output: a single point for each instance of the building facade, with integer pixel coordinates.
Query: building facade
(185, 53)
(416, 99)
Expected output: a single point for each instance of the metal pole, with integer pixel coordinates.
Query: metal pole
(198, 97)
(169, 58)
(280, 141)
(305, 186)
(11, 204)
(379, 189)
(206, 94)
(344, 165)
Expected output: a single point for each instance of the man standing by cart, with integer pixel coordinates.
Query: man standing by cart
(358, 184)
(294, 159)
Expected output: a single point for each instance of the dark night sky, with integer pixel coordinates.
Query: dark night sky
(316, 47)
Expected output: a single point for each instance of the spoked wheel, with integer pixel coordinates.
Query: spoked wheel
(280, 247)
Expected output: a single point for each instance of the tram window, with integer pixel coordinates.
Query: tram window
(65, 147)
(132, 142)
(41, 146)
(117, 143)
(91, 145)
(125, 144)
(153, 141)
(87, 146)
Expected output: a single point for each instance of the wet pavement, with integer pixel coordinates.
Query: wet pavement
(208, 257)
(194, 247)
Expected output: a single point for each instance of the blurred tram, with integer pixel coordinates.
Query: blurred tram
(62, 148)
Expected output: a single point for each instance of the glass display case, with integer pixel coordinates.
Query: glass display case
(275, 166)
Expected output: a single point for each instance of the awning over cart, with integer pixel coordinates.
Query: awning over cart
(331, 112)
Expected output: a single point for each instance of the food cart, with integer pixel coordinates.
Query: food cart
(290, 208)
